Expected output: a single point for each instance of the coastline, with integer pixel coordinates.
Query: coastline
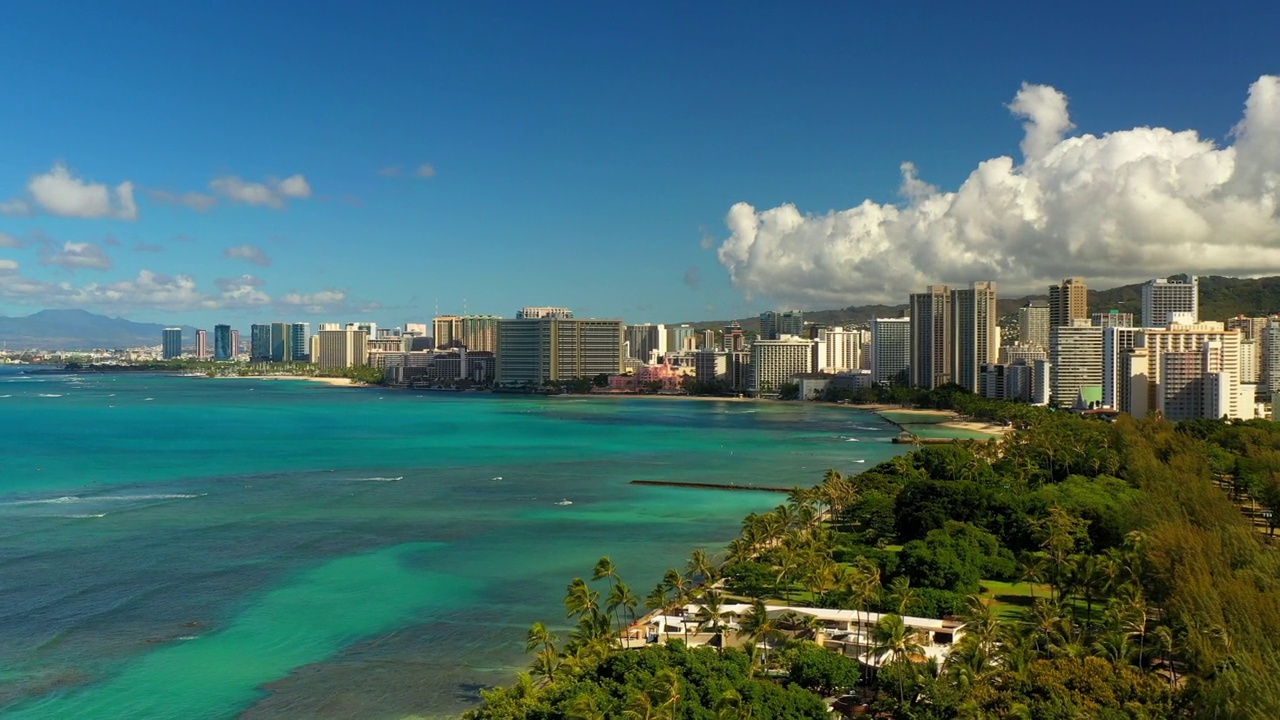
(936, 418)
(334, 381)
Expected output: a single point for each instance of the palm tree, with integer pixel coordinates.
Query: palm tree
(1031, 571)
(621, 598)
(710, 614)
(700, 567)
(679, 589)
(546, 660)
(539, 636)
(658, 599)
(605, 570)
(758, 627)
(1168, 646)
(1088, 577)
(580, 599)
(901, 594)
(585, 707)
(894, 639)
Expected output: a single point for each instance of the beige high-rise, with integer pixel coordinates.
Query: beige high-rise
(1068, 302)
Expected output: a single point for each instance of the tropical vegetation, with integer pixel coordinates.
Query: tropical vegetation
(1108, 570)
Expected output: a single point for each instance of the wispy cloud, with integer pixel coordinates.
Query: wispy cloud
(9, 241)
(691, 278)
(147, 247)
(74, 255)
(425, 171)
(272, 193)
(15, 207)
(200, 202)
(248, 253)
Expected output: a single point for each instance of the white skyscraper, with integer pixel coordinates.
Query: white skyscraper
(890, 348)
(1162, 298)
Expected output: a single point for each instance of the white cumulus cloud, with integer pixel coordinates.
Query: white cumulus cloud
(8, 265)
(248, 253)
(1123, 207)
(271, 193)
(58, 192)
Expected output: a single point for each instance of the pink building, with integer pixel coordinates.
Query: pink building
(644, 375)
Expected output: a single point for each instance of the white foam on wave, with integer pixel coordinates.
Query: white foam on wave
(69, 499)
(49, 395)
(83, 516)
(5, 396)
(146, 399)
(379, 479)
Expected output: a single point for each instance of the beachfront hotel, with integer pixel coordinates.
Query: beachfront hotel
(550, 347)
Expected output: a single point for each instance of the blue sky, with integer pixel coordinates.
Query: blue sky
(342, 161)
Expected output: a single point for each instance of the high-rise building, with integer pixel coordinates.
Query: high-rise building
(172, 343)
(931, 337)
(890, 349)
(202, 344)
(680, 338)
(280, 342)
(538, 313)
(1075, 353)
(711, 366)
(977, 332)
(734, 339)
(1114, 318)
(222, 345)
(235, 343)
(843, 349)
(1117, 343)
(774, 362)
(774, 325)
(1161, 299)
(341, 348)
(1068, 302)
(260, 343)
(1250, 327)
(1192, 338)
(480, 333)
(300, 342)
(447, 330)
(1033, 325)
(645, 339)
(532, 352)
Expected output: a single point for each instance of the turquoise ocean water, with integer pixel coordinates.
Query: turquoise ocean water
(190, 548)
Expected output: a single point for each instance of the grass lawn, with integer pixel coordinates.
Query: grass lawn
(1010, 599)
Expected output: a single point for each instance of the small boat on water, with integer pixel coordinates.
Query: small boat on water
(564, 502)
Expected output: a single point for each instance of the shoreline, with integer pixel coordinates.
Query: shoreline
(333, 381)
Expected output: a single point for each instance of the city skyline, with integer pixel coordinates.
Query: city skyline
(402, 163)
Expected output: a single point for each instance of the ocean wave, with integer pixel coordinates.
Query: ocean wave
(5, 396)
(49, 395)
(378, 479)
(68, 499)
(82, 516)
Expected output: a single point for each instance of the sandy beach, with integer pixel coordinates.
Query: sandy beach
(343, 382)
(902, 416)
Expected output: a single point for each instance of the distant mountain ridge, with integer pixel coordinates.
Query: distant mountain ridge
(1220, 298)
(81, 330)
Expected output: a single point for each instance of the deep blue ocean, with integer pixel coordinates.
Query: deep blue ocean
(188, 548)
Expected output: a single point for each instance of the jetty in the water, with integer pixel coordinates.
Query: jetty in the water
(711, 486)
